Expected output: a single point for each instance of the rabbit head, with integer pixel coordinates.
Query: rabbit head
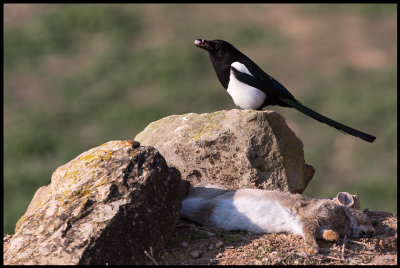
(360, 224)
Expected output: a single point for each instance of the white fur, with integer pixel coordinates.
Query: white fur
(252, 210)
(265, 216)
(190, 206)
(243, 95)
(267, 211)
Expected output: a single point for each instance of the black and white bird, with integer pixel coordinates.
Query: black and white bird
(251, 88)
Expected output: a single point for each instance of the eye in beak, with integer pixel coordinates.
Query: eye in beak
(198, 42)
(204, 44)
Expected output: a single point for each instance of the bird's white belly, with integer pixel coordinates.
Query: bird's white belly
(243, 95)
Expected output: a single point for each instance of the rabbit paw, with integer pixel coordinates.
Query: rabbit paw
(311, 250)
(330, 235)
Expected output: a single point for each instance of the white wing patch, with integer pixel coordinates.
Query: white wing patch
(241, 67)
(243, 95)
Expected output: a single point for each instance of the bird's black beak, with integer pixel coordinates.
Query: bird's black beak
(204, 44)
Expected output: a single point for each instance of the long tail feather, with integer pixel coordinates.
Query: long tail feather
(319, 117)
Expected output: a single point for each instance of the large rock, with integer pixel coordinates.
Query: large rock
(106, 206)
(235, 148)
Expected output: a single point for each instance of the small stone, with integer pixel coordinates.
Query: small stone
(264, 260)
(352, 260)
(184, 244)
(303, 254)
(195, 254)
(257, 262)
(219, 244)
(210, 233)
(194, 229)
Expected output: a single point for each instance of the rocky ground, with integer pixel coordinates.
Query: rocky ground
(194, 244)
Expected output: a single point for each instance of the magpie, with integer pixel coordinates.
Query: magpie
(251, 88)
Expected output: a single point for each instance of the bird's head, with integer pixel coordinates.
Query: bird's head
(214, 46)
(222, 55)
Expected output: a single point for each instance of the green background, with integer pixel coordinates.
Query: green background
(79, 75)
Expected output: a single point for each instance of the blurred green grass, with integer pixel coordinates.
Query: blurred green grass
(79, 75)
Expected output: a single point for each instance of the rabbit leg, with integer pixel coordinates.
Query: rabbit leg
(310, 226)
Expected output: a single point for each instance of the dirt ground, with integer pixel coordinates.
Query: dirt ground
(194, 244)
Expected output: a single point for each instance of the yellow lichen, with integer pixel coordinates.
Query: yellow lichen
(101, 182)
(68, 177)
(205, 131)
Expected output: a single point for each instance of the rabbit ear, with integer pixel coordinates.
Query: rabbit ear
(345, 199)
(357, 203)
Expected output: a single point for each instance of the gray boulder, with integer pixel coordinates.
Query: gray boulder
(106, 206)
(235, 149)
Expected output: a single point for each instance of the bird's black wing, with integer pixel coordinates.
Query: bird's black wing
(271, 87)
(248, 79)
(275, 89)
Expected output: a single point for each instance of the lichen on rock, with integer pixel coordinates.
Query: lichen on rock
(235, 148)
(108, 205)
